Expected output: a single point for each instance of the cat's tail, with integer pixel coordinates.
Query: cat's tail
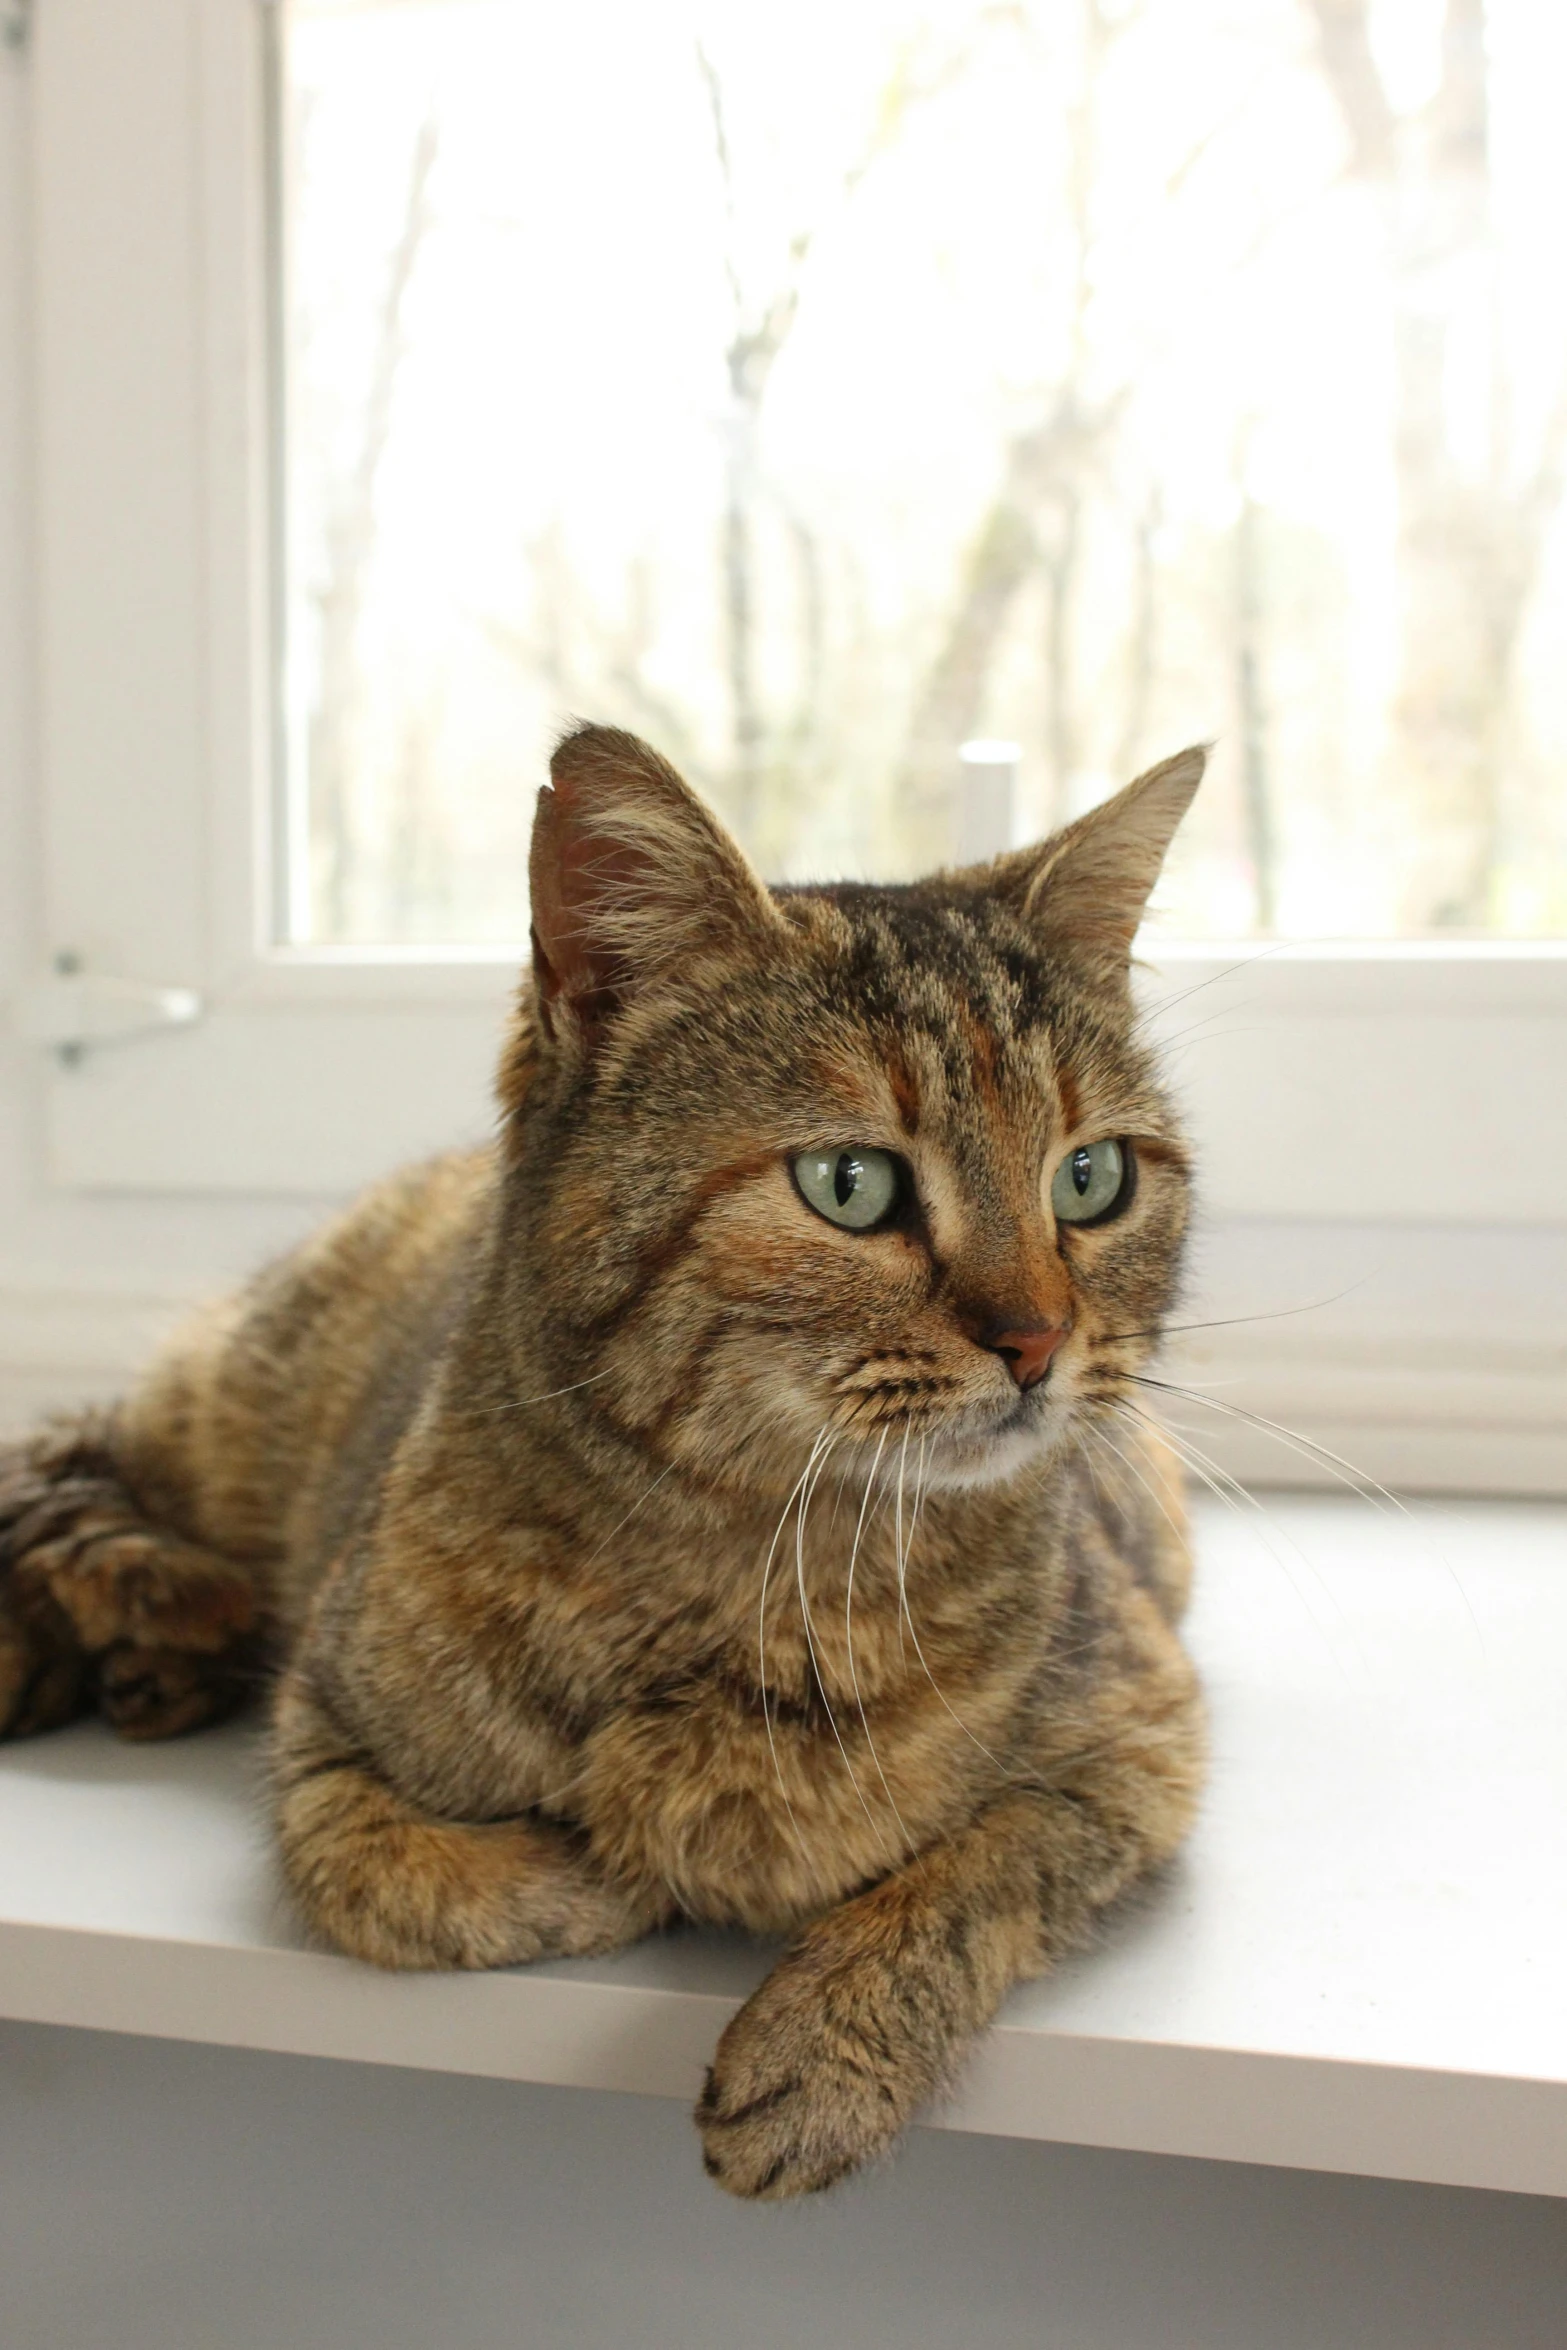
(101, 1607)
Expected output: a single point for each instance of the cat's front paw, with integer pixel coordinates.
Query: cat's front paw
(43, 1675)
(808, 2083)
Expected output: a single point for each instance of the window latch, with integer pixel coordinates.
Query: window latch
(74, 1009)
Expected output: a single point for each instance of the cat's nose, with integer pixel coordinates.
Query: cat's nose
(1027, 1351)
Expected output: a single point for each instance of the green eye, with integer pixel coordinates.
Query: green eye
(1091, 1183)
(855, 1188)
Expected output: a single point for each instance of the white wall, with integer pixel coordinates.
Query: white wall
(161, 2197)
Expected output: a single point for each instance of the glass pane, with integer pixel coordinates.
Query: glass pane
(821, 390)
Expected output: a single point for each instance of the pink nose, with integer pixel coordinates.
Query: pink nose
(1027, 1353)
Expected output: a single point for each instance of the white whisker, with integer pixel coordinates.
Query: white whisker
(844, 1474)
(810, 1643)
(906, 1618)
(905, 1546)
(630, 1514)
(1365, 1487)
(1229, 1489)
(848, 1634)
(761, 1634)
(897, 1536)
(1103, 1436)
(522, 1402)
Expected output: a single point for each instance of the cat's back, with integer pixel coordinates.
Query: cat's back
(264, 1427)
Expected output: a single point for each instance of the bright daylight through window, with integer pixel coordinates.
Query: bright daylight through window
(825, 390)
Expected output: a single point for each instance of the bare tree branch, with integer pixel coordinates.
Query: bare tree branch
(1459, 116)
(759, 334)
(1142, 649)
(1469, 549)
(1344, 45)
(1034, 525)
(1251, 707)
(350, 544)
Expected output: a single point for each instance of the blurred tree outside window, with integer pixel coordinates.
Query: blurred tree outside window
(819, 391)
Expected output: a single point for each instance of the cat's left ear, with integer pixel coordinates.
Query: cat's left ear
(632, 878)
(1087, 886)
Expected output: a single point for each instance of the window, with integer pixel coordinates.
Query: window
(1190, 377)
(820, 391)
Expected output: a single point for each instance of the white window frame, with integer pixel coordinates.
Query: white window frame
(1391, 1085)
(156, 632)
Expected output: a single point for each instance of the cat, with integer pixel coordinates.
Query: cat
(718, 1499)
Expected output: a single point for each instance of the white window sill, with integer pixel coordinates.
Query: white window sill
(1358, 1966)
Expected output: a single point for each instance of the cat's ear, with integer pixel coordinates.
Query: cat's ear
(1087, 886)
(631, 877)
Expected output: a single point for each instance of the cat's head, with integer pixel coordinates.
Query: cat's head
(890, 1163)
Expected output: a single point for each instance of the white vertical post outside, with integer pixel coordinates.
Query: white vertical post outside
(987, 791)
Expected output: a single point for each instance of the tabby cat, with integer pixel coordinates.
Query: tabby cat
(711, 1501)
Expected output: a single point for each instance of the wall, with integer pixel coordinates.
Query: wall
(162, 2197)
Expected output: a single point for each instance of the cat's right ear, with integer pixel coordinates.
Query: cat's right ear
(1086, 888)
(632, 878)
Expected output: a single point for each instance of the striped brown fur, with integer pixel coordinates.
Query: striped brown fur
(535, 1483)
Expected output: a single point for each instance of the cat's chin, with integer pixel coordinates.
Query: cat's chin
(967, 1456)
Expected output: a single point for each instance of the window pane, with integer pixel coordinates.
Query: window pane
(822, 390)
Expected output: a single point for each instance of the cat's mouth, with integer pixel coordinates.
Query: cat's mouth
(983, 1444)
(958, 1439)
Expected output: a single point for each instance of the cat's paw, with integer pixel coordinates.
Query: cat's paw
(119, 1583)
(43, 1676)
(808, 2084)
(148, 1693)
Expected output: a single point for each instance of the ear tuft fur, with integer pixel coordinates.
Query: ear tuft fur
(631, 877)
(1087, 886)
